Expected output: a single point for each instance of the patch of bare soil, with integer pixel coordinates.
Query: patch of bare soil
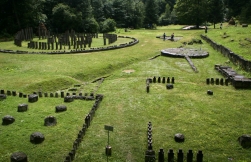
(129, 71)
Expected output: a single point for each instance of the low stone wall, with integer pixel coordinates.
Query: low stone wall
(235, 58)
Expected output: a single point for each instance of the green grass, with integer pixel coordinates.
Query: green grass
(210, 123)
(238, 39)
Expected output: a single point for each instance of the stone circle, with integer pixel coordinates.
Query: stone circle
(182, 52)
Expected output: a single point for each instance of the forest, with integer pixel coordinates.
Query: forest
(103, 16)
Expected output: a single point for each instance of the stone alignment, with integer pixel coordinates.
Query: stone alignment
(59, 48)
(150, 153)
(38, 137)
(24, 34)
(71, 155)
(237, 80)
(159, 80)
(235, 58)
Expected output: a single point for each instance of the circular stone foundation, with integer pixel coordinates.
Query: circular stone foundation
(183, 52)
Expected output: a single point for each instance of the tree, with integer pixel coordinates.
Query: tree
(191, 11)
(215, 11)
(161, 6)
(165, 17)
(138, 14)
(98, 10)
(109, 25)
(63, 18)
(151, 13)
(17, 15)
(235, 7)
(245, 13)
(91, 25)
(134, 15)
(119, 12)
(108, 9)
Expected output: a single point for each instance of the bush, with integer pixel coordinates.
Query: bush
(109, 25)
(91, 25)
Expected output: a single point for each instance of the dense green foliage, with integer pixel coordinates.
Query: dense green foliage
(88, 15)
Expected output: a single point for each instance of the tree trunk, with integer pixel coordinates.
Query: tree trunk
(16, 15)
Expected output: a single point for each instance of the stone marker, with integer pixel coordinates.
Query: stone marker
(36, 138)
(22, 107)
(169, 86)
(60, 108)
(7, 120)
(245, 141)
(50, 121)
(33, 98)
(18, 157)
(210, 92)
(68, 98)
(2, 96)
(179, 137)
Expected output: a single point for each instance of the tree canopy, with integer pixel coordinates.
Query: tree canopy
(92, 15)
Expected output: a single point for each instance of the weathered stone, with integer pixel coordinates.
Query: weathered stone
(89, 98)
(61, 108)
(14, 93)
(3, 96)
(50, 121)
(33, 98)
(172, 80)
(149, 80)
(8, 92)
(147, 88)
(245, 141)
(22, 107)
(150, 155)
(36, 138)
(244, 25)
(18, 157)
(208, 81)
(1, 91)
(179, 137)
(7, 120)
(20, 94)
(210, 92)
(169, 86)
(68, 98)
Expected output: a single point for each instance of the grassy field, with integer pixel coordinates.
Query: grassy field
(209, 123)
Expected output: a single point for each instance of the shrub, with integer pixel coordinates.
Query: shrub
(109, 25)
